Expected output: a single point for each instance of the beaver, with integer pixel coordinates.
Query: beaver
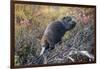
(55, 31)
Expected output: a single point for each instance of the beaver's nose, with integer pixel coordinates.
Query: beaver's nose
(73, 23)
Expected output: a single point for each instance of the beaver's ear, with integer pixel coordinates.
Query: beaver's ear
(63, 18)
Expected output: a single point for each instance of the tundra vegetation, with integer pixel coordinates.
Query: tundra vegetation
(78, 45)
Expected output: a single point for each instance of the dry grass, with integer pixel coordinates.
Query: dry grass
(30, 23)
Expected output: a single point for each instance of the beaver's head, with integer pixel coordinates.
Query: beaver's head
(68, 22)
